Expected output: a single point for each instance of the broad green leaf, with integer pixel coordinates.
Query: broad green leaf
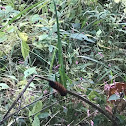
(76, 25)
(44, 115)
(42, 37)
(30, 71)
(99, 32)
(37, 107)
(23, 36)
(12, 77)
(36, 121)
(3, 37)
(24, 49)
(81, 37)
(3, 86)
(35, 18)
(11, 29)
(32, 85)
(15, 13)
(8, 9)
(24, 45)
(114, 97)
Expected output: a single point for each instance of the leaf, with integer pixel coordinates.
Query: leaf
(60, 52)
(76, 25)
(42, 37)
(37, 107)
(50, 48)
(114, 97)
(23, 36)
(88, 58)
(32, 85)
(121, 30)
(99, 32)
(44, 115)
(11, 29)
(84, 22)
(24, 45)
(24, 49)
(81, 37)
(3, 37)
(3, 86)
(35, 18)
(12, 77)
(8, 9)
(36, 121)
(30, 71)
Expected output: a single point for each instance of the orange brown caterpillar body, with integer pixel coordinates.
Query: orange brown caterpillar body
(59, 87)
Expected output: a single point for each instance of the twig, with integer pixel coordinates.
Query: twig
(86, 118)
(59, 87)
(46, 107)
(19, 96)
(23, 108)
(94, 106)
(51, 118)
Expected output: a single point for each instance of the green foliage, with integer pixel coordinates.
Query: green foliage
(30, 71)
(100, 120)
(24, 45)
(79, 43)
(37, 107)
(3, 86)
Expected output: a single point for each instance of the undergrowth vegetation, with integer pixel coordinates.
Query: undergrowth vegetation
(79, 43)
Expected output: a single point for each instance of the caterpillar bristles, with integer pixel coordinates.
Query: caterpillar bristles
(59, 87)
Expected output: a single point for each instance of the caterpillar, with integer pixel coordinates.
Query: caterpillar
(59, 87)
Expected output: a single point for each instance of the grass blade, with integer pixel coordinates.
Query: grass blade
(60, 57)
